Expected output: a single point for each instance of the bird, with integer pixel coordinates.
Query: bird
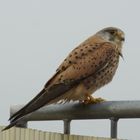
(88, 67)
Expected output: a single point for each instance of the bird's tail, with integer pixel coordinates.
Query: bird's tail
(43, 98)
(10, 125)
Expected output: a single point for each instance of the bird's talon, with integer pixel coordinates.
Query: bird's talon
(99, 100)
(94, 101)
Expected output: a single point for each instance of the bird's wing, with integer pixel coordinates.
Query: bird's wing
(83, 49)
(65, 79)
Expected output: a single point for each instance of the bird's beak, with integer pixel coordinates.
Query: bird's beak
(121, 55)
(122, 39)
(121, 36)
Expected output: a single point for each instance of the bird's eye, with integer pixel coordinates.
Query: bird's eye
(112, 32)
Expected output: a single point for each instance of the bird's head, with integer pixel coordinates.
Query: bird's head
(112, 34)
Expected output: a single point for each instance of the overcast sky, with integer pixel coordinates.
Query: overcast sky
(35, 37)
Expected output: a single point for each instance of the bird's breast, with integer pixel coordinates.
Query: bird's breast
(102, 77)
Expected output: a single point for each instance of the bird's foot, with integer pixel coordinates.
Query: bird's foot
(92, 100)
(97, 100)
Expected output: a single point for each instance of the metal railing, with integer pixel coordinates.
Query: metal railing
(113, 110)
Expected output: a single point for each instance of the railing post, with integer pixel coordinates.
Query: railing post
(114, 123)
(22, 124)
(67, 126)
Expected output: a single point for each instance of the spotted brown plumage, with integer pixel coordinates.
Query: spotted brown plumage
(88, 67)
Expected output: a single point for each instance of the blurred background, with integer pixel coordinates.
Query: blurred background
(36, 36)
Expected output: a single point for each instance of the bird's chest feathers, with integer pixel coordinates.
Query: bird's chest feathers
(104, 76)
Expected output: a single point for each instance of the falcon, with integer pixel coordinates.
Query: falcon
(90, 66)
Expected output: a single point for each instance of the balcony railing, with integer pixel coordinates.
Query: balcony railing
(113, 110)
